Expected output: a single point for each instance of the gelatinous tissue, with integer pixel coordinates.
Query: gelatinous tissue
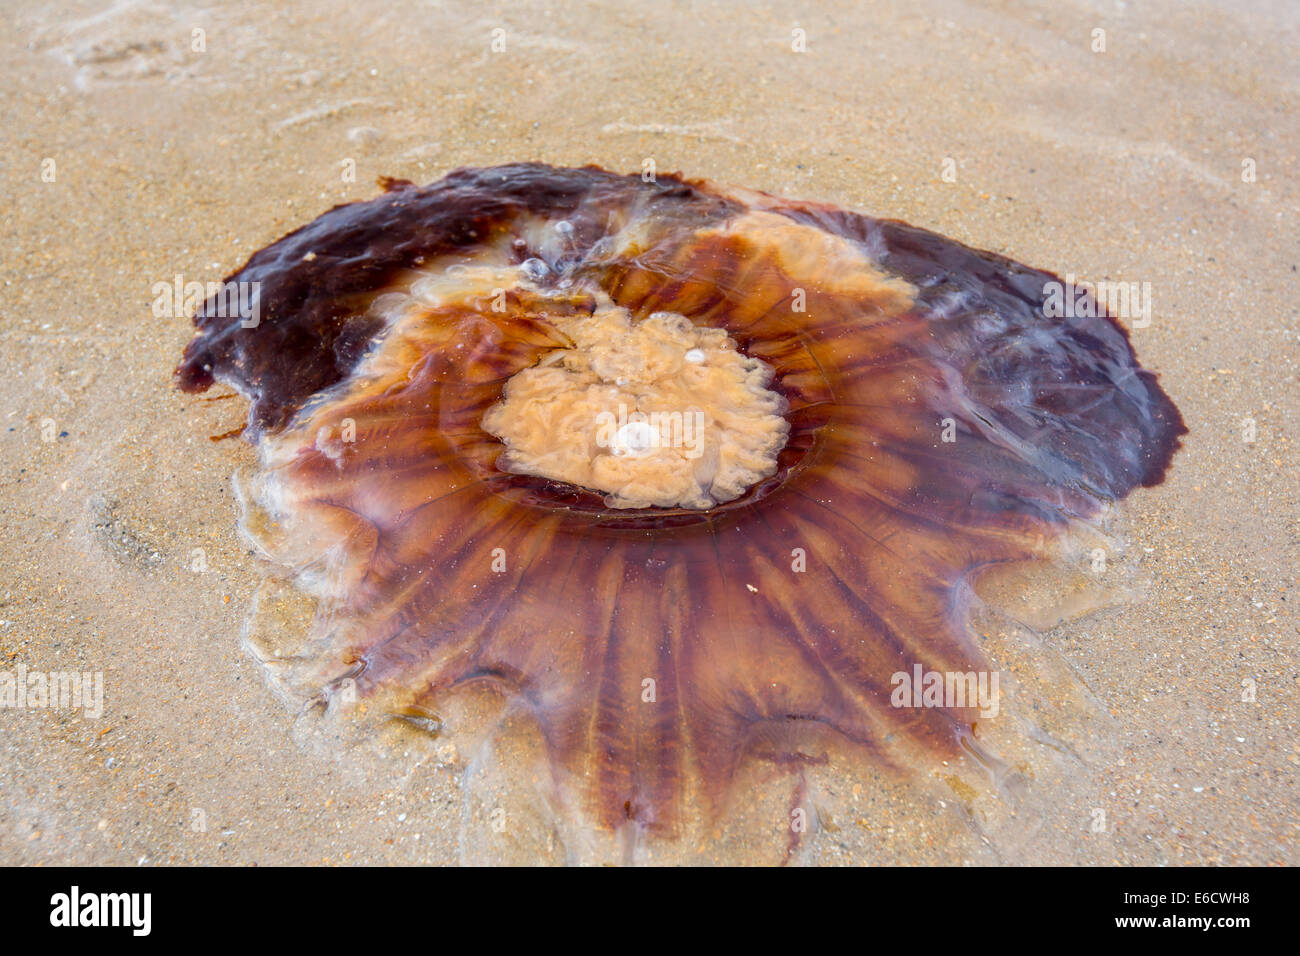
(679, 476)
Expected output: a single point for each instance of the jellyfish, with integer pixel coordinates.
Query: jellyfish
(684, 475)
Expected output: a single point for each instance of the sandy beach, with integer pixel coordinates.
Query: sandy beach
(1152, 143)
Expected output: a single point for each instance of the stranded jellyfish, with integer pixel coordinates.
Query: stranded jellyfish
(683, 475)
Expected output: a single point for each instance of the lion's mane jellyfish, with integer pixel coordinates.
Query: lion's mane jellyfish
(681, 476)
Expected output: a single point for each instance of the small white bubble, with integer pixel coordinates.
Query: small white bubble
(564, 228)
(634, 438)
(535, 268)
(695, 355)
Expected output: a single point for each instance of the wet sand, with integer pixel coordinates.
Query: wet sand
(1169, 158)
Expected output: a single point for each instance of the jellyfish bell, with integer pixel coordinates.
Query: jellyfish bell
(678, 476)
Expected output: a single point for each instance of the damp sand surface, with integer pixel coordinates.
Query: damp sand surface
(1167, 159)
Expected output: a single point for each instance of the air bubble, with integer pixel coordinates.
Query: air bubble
(634, 438)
